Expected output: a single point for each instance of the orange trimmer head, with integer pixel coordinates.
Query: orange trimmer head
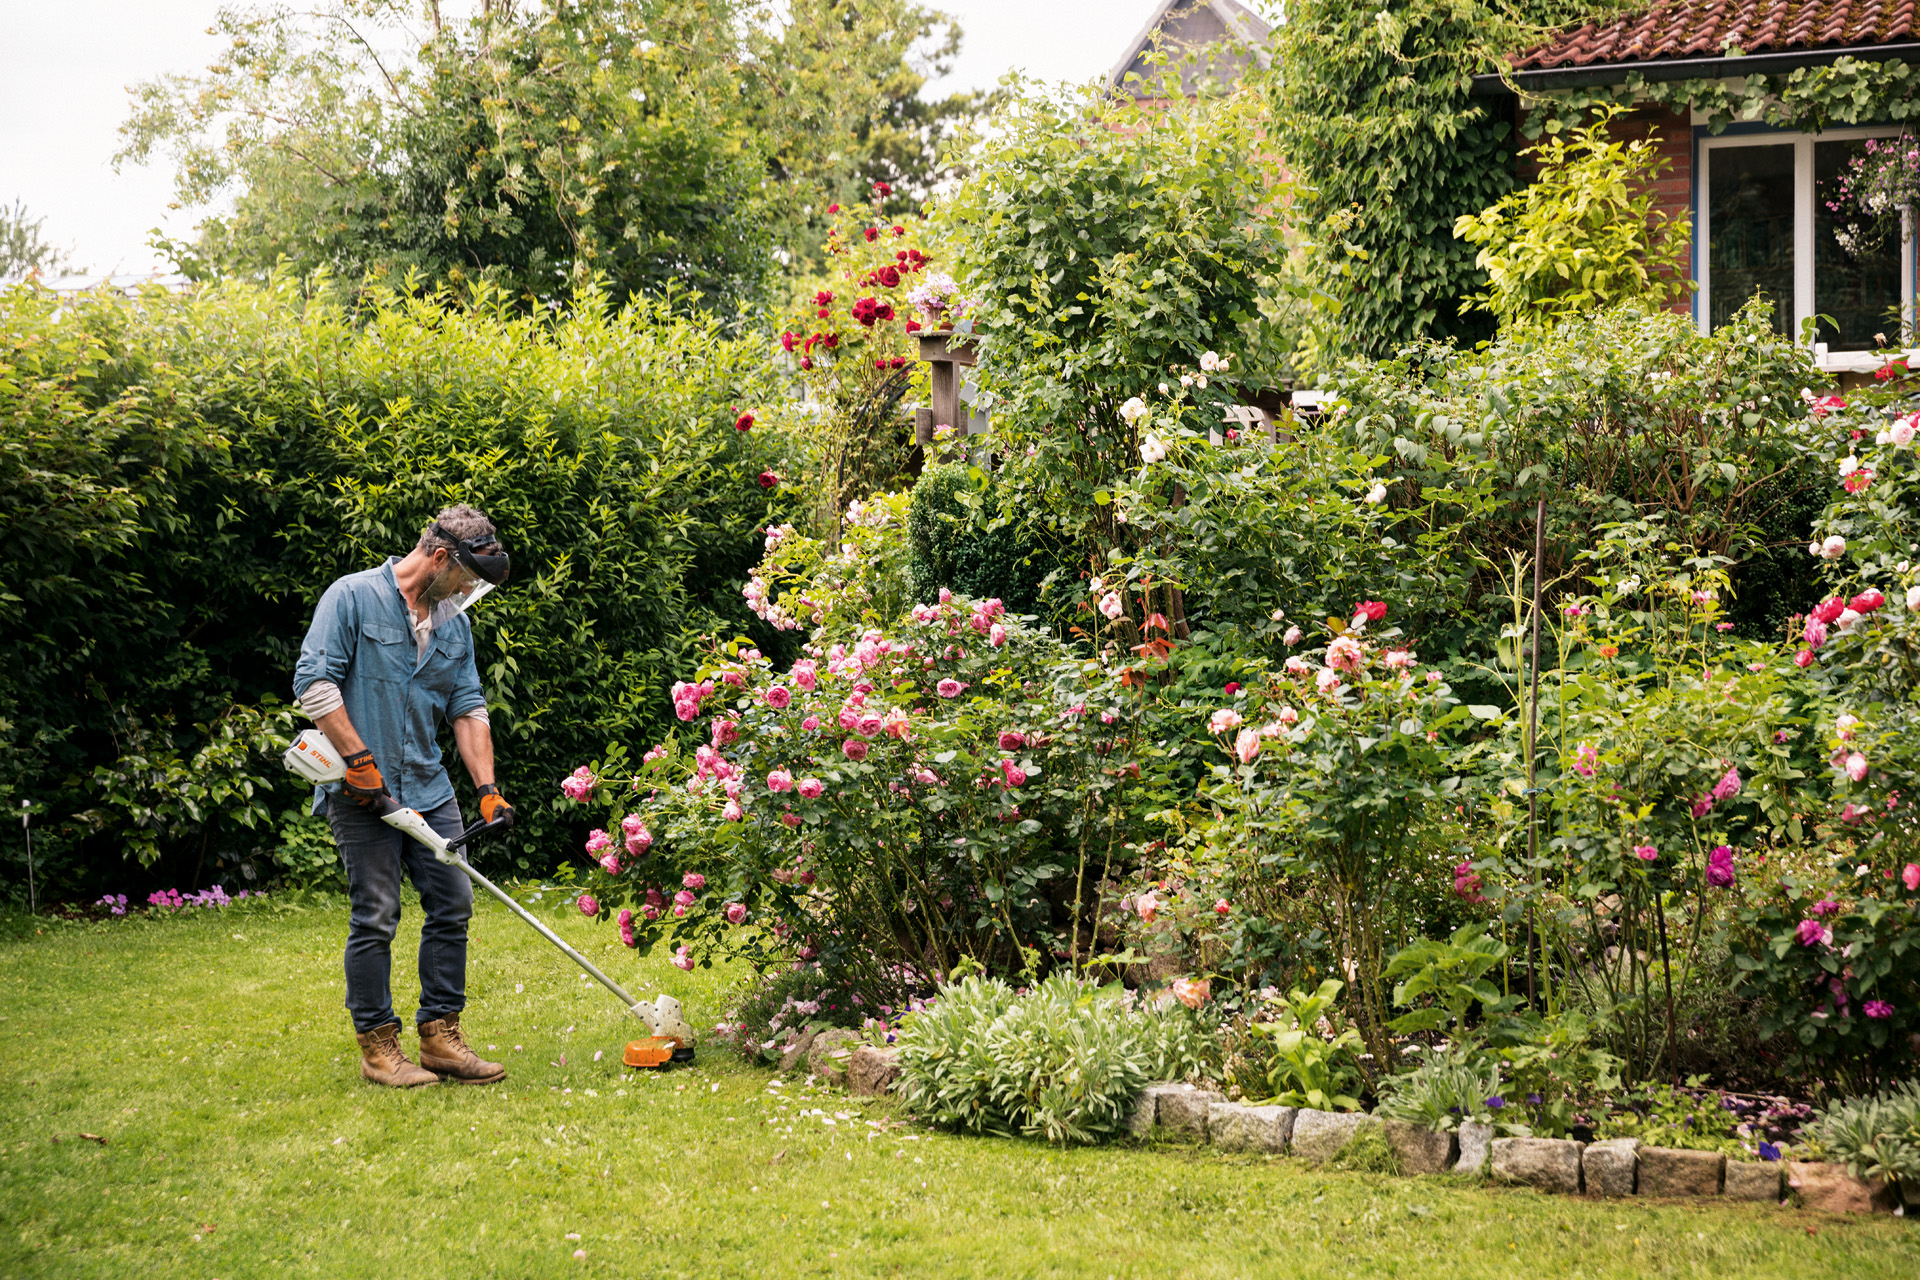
(657, 1051)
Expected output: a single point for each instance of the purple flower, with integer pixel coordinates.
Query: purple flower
(1769, 1152)
(1495, 1103)
(1720, 868)
(1877, 1009)
(1533, 1099)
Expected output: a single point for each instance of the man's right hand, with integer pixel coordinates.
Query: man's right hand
(363, 781)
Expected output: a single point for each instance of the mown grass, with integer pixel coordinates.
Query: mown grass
(212, 1055)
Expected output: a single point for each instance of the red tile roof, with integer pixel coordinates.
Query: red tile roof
(1705, 29)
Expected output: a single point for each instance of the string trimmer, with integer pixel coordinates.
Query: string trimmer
(312, 757)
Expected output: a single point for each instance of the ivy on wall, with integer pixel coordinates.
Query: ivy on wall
(1847, 92)
(1373, 110)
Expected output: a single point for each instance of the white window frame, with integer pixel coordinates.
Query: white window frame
(1803, 227)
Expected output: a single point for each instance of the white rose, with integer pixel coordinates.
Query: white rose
(1849, 465)
(1847, 618)
(1209, 362)
(1134, 410)
(1913, 597)
(1152, 450)
(1376, 495)
(1164, 388)
(1901, 433)
(1882, 437)
(1834, 547)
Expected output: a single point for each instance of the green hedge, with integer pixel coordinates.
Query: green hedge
(181, 476)
(955, 545)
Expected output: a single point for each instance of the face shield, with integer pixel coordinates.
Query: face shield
(486, 564)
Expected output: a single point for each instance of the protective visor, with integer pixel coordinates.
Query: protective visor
(486, 558)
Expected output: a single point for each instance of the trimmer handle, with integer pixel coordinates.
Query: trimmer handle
(481, 828)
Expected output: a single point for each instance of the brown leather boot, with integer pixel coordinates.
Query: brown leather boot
(383, 1062)
(444, 1051)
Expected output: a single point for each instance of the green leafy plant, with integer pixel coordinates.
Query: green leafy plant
(1446, 1087)
(1878, 1135)
(1307, 1068)
(1450, 974)
(1690, 1118)
(1063, 1061)
(1582, 236)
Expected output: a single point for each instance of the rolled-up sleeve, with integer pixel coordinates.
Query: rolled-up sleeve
(326, 653)
(467, 696)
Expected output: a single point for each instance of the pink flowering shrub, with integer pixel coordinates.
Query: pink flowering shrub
(909, 803)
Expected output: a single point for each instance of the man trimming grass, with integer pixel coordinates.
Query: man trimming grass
(379, 698)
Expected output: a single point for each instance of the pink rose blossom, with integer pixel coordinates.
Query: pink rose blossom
(791, 818)
(1246, 745)
(1811, 932)
(1645, 852)
(1011, 740)
(588, 906)
(1146, 905)
(1345, 654)
(683, 959)
(651, 911)
(1856, 766)
(854, 749)
(809, 788)
(1289, 716)
(811, 724)
(639, 840)
(945, 595)
(1191, 992)
(1815, 633)
(1584, 759)
(683, 898)
(1015, 775)
(1729, 785)
(610, 863)
(578, 785)
(1222, 907)
(779, 780)
(1326, 680)
(725, 732)
(598, 841)
(1294, 636)
(736, 912)
(1224, 719)
(1720, 867)
(1910, 875)
(779, 696)
(1804, 658)
(949, 688)
(868, 725)
(996, 635)
(733, 812)
(693, 880)
(1877, 1009)
(805, 674)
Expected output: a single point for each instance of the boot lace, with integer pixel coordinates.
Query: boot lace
(455, 1038)
(386, 1046)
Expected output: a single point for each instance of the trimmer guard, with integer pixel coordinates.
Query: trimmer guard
(657, 1051)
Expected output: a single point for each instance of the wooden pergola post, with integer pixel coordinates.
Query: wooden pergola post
(946, 354)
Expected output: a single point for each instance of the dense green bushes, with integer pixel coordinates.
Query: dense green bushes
(182, 476)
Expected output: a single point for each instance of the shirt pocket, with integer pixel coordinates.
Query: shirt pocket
(388, 659)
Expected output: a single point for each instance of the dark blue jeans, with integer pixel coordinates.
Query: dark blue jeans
(375, 855)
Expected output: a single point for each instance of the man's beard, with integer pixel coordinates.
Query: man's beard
(440, 586)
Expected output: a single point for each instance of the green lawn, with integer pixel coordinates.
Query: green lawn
(212, 1054)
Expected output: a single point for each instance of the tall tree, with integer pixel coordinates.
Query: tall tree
(24, 247)
(676, 147)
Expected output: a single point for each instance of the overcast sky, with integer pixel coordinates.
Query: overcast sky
(68, 62)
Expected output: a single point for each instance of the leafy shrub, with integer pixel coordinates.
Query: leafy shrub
(1877, 1135)
(1064, 1061)
(770, 1009)
(183, 475)
(1445, 1087)
(1310, 1064)
(955, 545)
(1661, 1115)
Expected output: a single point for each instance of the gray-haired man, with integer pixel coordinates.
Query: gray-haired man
(387, 660)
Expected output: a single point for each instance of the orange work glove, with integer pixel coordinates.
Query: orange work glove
(494, 806)
(363, 781)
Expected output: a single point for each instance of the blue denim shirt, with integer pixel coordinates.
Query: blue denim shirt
(361, 638)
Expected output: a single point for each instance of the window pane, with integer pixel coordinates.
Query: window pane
(1861, 290)
(1750, 230)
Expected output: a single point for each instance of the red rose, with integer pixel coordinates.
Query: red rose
(1828, 610)
(901, 256)
(806, 363)
(1371, 610)
(743, 423)
(913, 326)
(1867, 601)
(882, 190)
(899, 231)
(879, 364)
(768, 479)
(833, 208)
(786, 341)
(884, 312)
(1233, 687)
(872, 235)
(889, 277)
(830, 340)
(822, 298)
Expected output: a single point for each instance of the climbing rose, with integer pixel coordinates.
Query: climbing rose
(693, 880)
(809, 788)
(587, 905)
(949, 688)
(733, 812)
(1293, 636)
(854, 749)
(682, 959)
(1811, 932)
(725, 733)
(598, 841)
(1720, 868)
(1246, 745)
(779, 780)
(1857, 766)
(610, 862)
(805, 674)
(578, 785)
(736, 912)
